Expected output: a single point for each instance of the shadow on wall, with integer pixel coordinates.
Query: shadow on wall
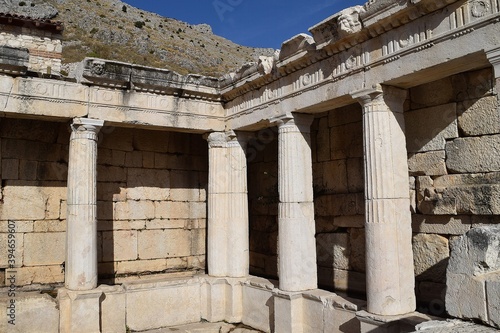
(34, 168)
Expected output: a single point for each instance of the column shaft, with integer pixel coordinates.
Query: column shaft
(228, 236)
(389, 256)
(296, 242)
(81, 233)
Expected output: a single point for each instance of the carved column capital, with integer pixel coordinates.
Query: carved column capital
(87, 124)
(227, 139)
(494, 59)
(299, 121)
(381, 95)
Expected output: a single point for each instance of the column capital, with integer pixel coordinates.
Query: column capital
(300, 120)
(392, 96)
(227, 139)
(494, 59)
(367, 95)
(216, 139)
(87, 124)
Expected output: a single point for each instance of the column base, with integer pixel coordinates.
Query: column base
(224, 299)
(390, 324)
(79, 311)
(288, 312)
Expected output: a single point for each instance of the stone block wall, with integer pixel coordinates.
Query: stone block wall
(45, 47)
(262, 159)
(34, 163)
(151, 201)
(453, 142)
(337, 146)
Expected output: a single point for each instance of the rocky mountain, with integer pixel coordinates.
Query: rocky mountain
(112, 29)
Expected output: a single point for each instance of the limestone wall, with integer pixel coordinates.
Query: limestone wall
(337, 140)
(151, 202)
(263, 202)
(151, 208)
(34, 159)
(45, 47)
(453, 140)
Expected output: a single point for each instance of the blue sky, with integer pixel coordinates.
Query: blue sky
(256, 23)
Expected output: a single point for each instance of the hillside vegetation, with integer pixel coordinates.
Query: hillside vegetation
(114, 30)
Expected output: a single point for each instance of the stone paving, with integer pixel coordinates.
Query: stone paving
(453, 326)
(205, 328)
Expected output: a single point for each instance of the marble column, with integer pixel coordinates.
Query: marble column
(389, 256)
(81, 233)
(228, 236)
(297, 268)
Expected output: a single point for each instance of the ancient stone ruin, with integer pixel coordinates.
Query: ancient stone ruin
(350, 183)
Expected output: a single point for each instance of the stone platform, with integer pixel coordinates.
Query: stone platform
(205, 328)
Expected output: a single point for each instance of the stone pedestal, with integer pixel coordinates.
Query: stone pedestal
(223, 298)
(389, 256)
(79, 311)
(288, 312)
(228, 237)
(81, 234)
(297, 244)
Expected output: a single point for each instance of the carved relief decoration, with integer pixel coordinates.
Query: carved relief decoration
(479, 8)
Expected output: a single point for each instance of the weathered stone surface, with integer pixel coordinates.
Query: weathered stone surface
(134, 210)
(323, 141)
(452, 326)
(168, 243)
(442, 224)
(474, 155)
(10, 169)
(429, 163)
(119, 245)
(34, 313)
(430, 257)
(474, 264)
(20, 196)
(349, 221)
(149, 305)
(357, 245)
(477, 199)
(333, 250)
(479, 117)
(477, 252)
(465, 297)
(355, 175)
(493, 297)
(148, 184)
(434, 93)
(330, 177)
(44, 248)
(37, 275)
(427, 129)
